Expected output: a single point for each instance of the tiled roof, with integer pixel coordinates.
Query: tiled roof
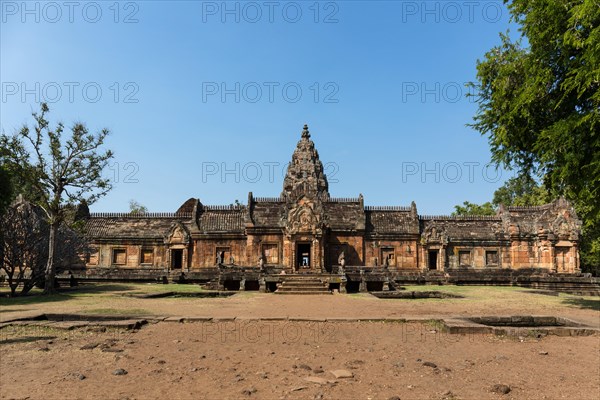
(344, 214)
(222, 221)
(530, 219)
(391, 222)
(465, 228)
(267, 213)
(123, 227)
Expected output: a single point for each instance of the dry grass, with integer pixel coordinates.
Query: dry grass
(114, 299)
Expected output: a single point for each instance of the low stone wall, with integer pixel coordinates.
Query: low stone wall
(530, 278)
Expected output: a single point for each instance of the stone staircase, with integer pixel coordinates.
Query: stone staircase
(303, 284)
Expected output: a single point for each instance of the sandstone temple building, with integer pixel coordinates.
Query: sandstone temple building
(307, 231)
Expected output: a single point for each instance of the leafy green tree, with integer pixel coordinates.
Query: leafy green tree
(468, 208)
(62, 172)
(137, 208)
(521, 191)
(539, 104)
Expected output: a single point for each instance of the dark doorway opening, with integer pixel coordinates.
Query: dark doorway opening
(231, 285)
(303, 256)
(176, 259)
(271, 286)
(352, 286)
(252, 285)
(433, 256)
(374, 286)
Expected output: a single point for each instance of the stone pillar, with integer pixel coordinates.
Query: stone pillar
(386, 285)
(186, 263)
(262, 285)
(554, 264)
(220, 283)
(343, 282)
(363, 283)
(441, 265)
(291, 246)
(576, 261)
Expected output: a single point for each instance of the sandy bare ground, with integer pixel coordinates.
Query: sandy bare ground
(253, 358)
(271, 360)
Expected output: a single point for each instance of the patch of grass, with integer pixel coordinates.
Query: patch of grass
(25, 339)
(170, 287)
(463, 289)
(36, 296)
(117, 311)
(243, 294)
(32, 333)
(435, 324)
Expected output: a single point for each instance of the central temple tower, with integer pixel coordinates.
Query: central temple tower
(305, 176)
(305, 188)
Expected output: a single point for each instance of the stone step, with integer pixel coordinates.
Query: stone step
(303, 289)
(303, 292)
(303, 284)
(303, 278)
(307, 283)
(295, 284)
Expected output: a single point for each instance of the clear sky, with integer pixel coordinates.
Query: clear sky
(208, 99)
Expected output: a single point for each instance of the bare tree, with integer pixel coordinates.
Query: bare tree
(62, 172)
(24, 246)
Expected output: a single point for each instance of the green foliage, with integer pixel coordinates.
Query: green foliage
(539, 105)
(474, 209)
(60, 172)
(136, 208)
(521, 191)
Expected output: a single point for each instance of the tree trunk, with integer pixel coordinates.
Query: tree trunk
(50, 270)
(12, 285)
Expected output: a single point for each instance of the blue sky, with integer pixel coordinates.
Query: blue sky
(208, 99)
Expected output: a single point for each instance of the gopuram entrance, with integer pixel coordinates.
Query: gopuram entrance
(303, 257)
(305, 188)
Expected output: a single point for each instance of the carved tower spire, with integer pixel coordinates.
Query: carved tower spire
(305, 176)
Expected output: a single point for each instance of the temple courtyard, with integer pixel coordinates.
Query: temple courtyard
(136, 341)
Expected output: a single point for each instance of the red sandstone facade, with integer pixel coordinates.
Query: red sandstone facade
(306, 230)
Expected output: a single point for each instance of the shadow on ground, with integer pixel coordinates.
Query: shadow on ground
(589, 304)
(98, 288)
(26, 339)
(62, 295)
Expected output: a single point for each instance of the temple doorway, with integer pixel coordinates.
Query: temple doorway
(176, 258)
(561, 258)
(303, 261)
(433, 257)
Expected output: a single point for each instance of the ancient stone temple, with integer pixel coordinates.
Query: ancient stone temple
(305, 230)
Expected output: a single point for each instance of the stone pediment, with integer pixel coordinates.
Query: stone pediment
(564, 228)
(178, 234)
(434, 233)
(305, 217)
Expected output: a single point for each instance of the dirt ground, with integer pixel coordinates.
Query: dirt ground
(271, 360)
(250, 358)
